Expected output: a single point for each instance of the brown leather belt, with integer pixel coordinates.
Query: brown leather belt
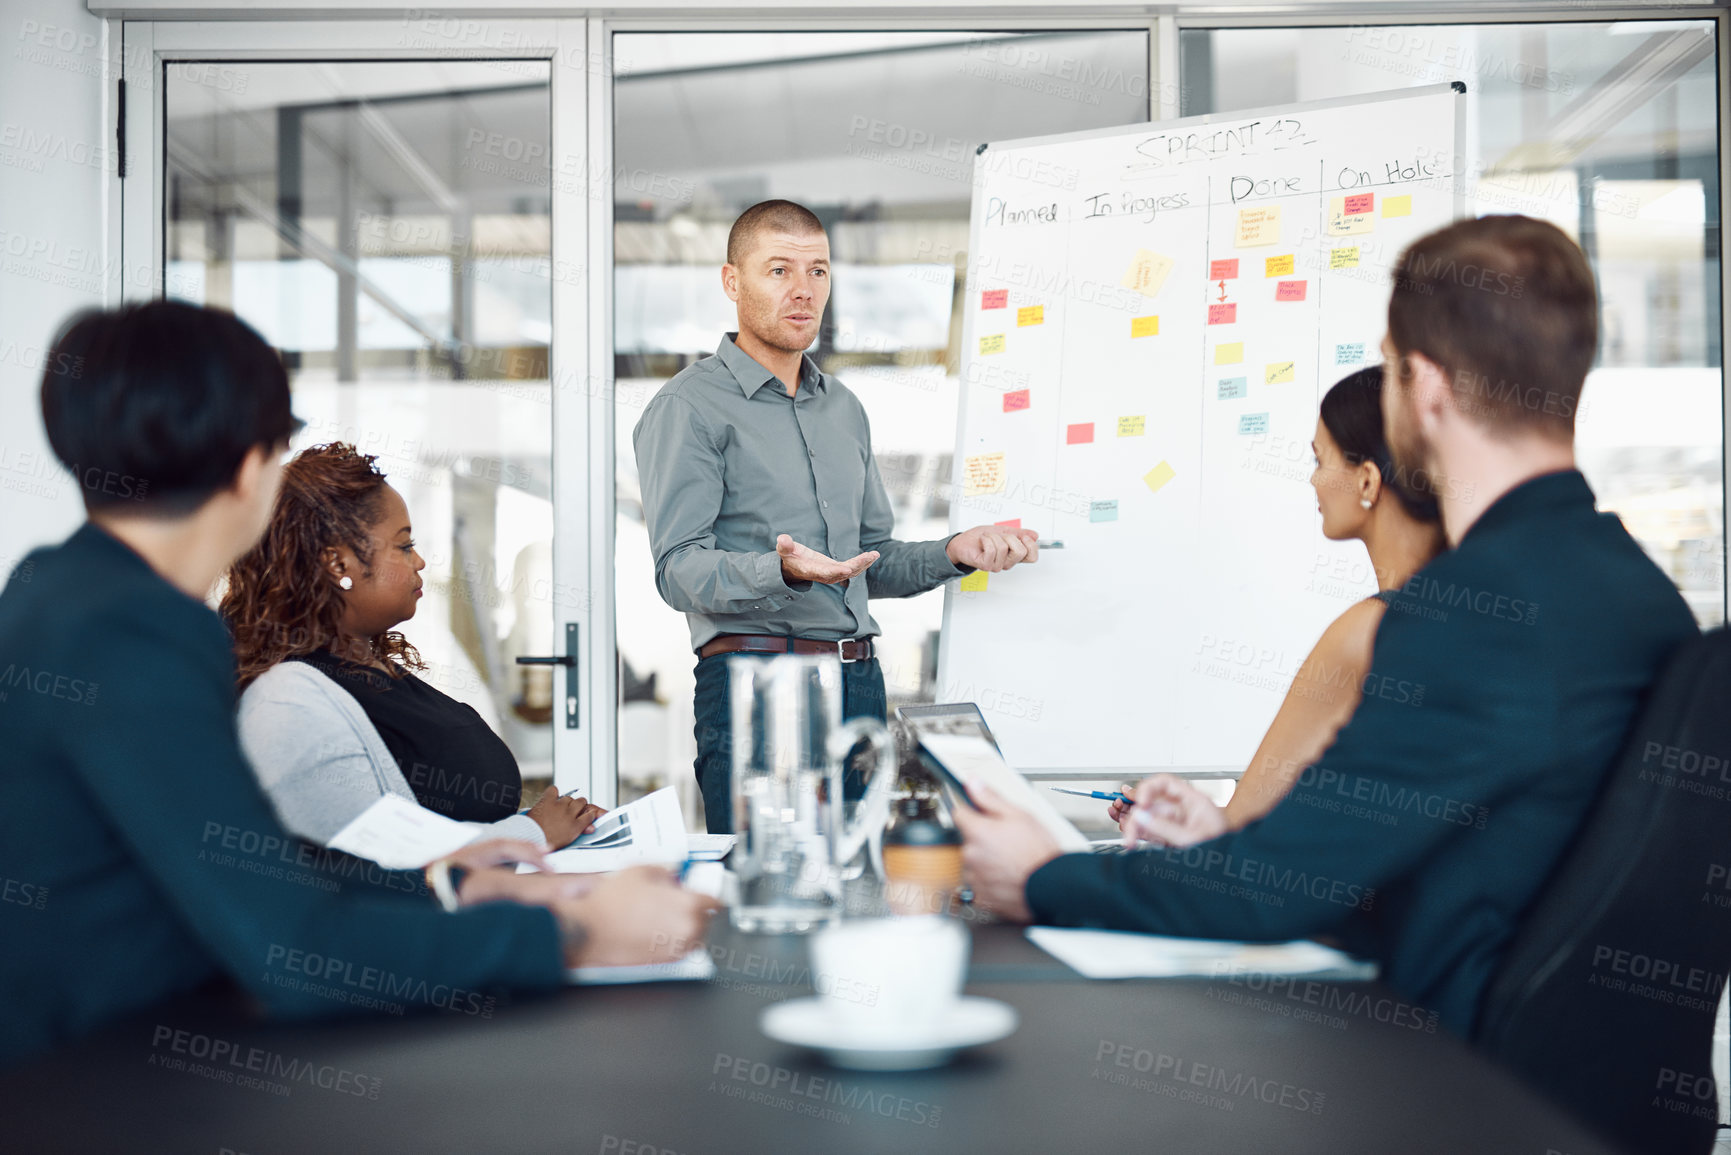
(848, 650)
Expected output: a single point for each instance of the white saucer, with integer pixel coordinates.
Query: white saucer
(808, 1023)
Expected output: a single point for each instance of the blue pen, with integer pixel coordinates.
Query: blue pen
(1108, 796)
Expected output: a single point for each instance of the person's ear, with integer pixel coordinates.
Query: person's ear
(1432, 394)
(730, 282)
(332, 561)
(1369, 481)
(255, 481)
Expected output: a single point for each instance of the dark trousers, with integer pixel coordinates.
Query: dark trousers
(862, 694)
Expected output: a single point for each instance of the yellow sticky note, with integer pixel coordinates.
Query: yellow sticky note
(1229, 354)
(1131, 426)
(1144, 326)
(1343, 258)
(1147, 272)
(1258, 226)
(1277, 372)
(992, 344)
(1031, 315)
(1344, 224)
(983, 473)
(1277, 266)
(1397, 206)
(975, 582)
(1159, 476)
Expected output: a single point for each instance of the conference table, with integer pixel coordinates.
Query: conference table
(1179, 1065)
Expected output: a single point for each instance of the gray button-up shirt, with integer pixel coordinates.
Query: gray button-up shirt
(727, 460)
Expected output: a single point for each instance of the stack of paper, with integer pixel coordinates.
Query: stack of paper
(649, 830)
(1111, 954)
(399, 835)
(695, 966)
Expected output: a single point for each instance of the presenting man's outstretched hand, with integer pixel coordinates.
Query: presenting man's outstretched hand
(993, 548)
(801, 563)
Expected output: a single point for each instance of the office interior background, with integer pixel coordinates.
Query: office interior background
(480, 263)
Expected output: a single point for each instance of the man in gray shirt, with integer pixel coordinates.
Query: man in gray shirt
(757, 474)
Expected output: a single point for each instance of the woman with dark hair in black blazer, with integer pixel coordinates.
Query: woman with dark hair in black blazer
(125, 803)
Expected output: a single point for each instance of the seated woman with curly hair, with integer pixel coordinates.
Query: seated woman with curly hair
(332, 716)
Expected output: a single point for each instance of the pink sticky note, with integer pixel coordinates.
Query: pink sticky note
(1013, 523)
(1223, 270)
(1362, 203)
(994, 298)
(1079, 434)
(1289, 291)
(1222, 314)
(1015, 401)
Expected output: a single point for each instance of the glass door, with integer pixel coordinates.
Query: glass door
(388, 223)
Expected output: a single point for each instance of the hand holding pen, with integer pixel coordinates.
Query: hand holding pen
(1167, 810)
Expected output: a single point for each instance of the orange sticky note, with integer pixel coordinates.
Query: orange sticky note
(1289, 291)
(994, 298)
(1277, 266)
(1017, 399)
(1079, 434)
(1031, 315)
(982, 473)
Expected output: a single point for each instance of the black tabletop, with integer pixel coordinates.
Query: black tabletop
(1173, 1065)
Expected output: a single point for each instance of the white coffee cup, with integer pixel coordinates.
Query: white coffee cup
(890, 973)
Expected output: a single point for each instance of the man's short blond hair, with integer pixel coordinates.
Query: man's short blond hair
(770, 217)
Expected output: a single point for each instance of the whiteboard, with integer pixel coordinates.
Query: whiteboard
(1152, 315)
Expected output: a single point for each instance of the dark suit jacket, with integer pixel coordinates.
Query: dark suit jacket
(138, 857)
(1503, 679)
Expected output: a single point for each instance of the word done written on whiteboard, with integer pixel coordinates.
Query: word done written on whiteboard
(1151, 316)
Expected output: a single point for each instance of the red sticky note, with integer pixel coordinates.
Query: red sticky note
(1223, 270)
(1079, 434)
(1013, 523)
(1222, 314)
(1362, 203)
(994, 298)
(1289, 291)
(1015, 401)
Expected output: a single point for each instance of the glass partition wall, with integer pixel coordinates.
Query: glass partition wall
(387, 225)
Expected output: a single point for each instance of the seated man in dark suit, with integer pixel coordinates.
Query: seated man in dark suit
(1515, 662)
(126, 807)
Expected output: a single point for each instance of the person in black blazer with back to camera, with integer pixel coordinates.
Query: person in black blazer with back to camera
(154, 862)
(1504, 675)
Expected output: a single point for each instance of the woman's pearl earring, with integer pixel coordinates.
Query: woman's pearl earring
(348, 582)
(1364, 501)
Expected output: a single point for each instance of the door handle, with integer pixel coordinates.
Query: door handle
(569, 660)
